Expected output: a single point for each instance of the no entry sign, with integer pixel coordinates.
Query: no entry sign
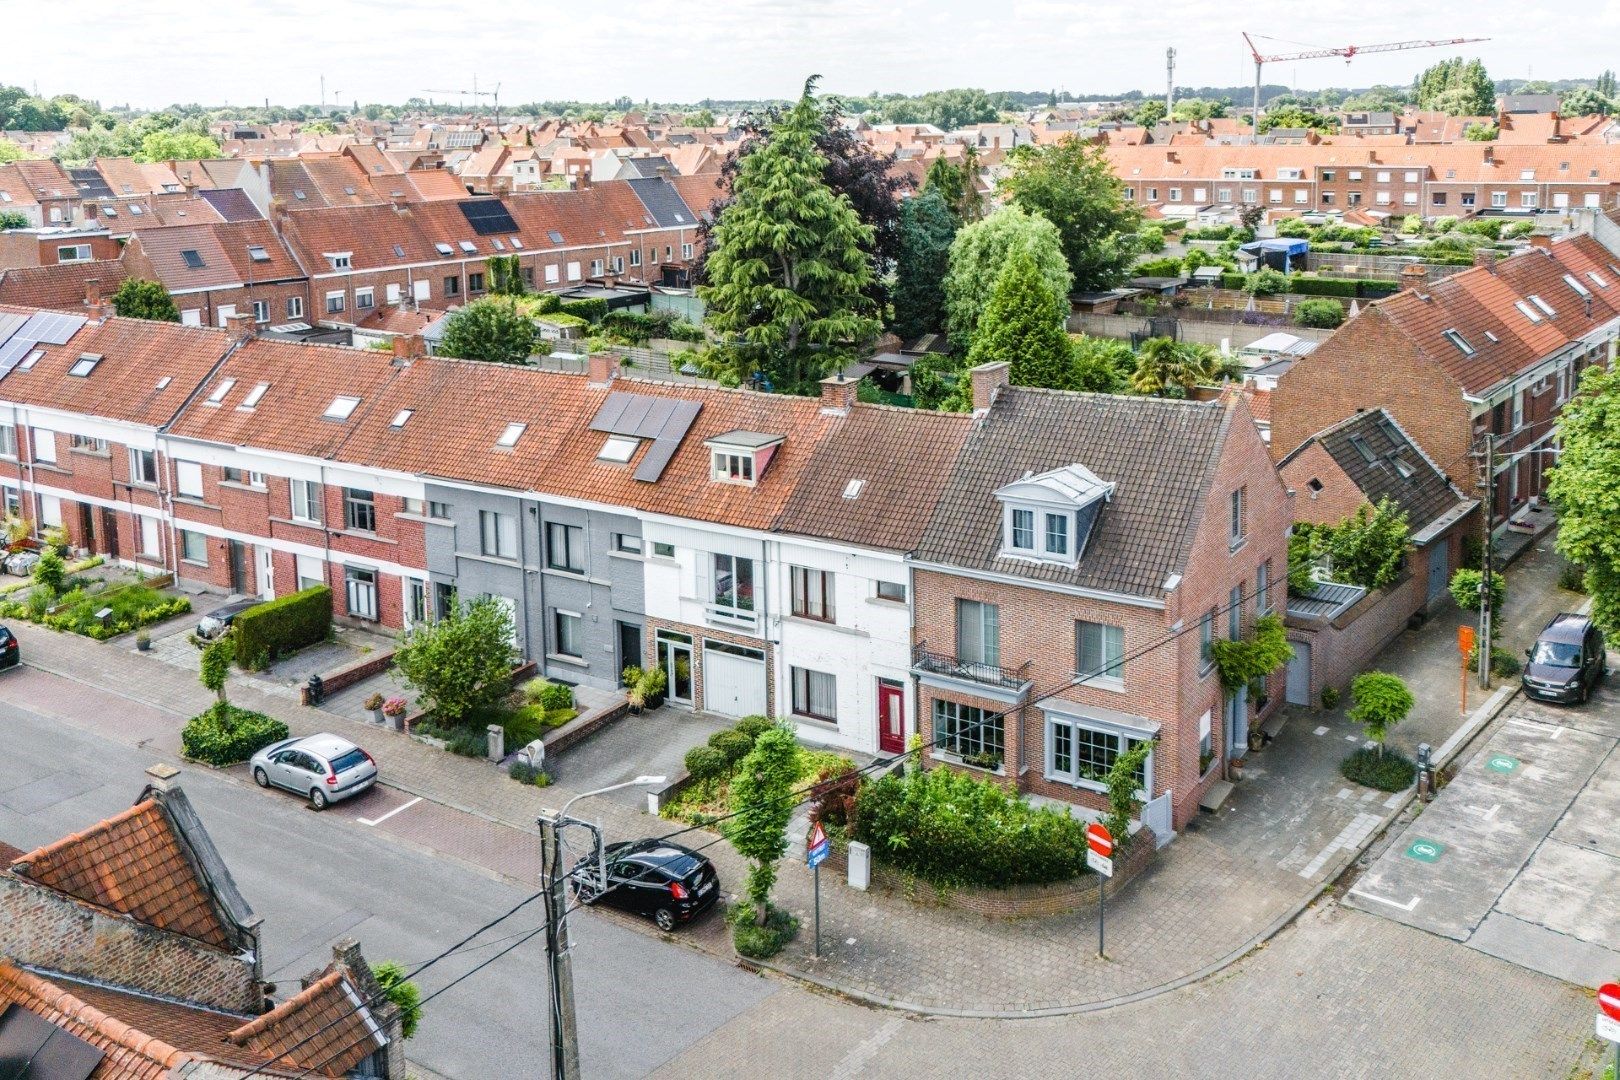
(1608, 1017)
(1100, 849)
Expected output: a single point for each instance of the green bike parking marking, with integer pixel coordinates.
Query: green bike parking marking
(1502, 763)
(1425, 850)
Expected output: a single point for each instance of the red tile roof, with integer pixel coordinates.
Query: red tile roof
(222, 248)
(130, 1054)
(325, 1029)
(59, 286)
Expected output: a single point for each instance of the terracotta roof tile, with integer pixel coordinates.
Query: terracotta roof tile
(222, 249)
(59, 286)
(130, 1054)
(324, 1028)
(134, 864)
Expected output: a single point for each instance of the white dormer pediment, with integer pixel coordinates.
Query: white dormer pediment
(1048, 517)
(1072, 486)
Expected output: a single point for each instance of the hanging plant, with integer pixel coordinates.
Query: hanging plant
(1247, 661)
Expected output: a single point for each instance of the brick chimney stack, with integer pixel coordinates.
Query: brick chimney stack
(408, 347)
(1485, 257)
(988, 379)
(239, 325)
(162, 777)
(1413, 276)
(838, 394)
(601, 369)
(92, 293)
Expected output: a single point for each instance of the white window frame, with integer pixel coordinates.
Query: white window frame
(142, 467)
(1110, 647)
(359, 594)
(188, 480)
(8, 441)
(1122, 738)
(295, 307)
(187, 537)
(310, 511)
(43, 444)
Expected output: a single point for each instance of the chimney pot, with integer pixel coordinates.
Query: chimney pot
(240, 325)
(1485, 257)
(92, 293)
(987, 380)
(162, 777)
(1413, 276)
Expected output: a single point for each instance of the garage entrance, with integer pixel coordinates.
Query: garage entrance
(1299, 674)
(733, 679)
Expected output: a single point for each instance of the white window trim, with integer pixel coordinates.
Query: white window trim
(1119, 731)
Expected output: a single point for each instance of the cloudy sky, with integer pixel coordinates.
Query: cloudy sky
(154, 52)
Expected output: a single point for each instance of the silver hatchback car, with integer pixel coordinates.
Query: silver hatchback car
(323, 768)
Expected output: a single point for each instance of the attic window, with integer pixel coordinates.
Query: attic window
(220, 391)
(1314, 484)
(1402, 466)
(444, 249)
(340, 408)
(163, 383)
(341, 260)
(618, 449)
(741, 457)
(1598, 279)
(1049, 517)
(554, 236)
(1492, 338)
(517, 244)
(1527, 311)
(1363, 449)
(400, 418)
(1543, 305)
(1580, 290)
(192, 259)
(30, 360)
(135, 208)
(469, 247)
(347, 190)
(852, 490)
(85, 364)
(510, 436)
(257, 253)
(298, 193)
(496, 241)
(399, 251)
(109, 211)
(254, 395)
(1458, 340)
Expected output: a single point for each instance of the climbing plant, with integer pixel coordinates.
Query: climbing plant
(1247, 661)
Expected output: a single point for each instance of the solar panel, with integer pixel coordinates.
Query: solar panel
(665, 421)
(41, 1048)
(488, 216)
(634, 414)
(607, 417)
(11, 354)
(9, 322)
(52, 328)
(667, 442)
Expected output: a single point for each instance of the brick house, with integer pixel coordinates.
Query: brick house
(1359, 462)
(215, 270)
(128, 946)
(1496, 349)
(1130, 530)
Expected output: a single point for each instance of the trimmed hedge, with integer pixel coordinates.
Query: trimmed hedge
(1392, 772)
(223, 734)
(1315, 286)
(585, 309)
(282, 625)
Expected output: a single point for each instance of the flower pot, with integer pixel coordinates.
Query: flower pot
(142, 644)
(376, 716)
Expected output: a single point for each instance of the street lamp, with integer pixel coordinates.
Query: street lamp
(564, 1033)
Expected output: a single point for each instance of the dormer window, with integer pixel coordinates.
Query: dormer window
(741, 457)
(341, 260)
(1049, 517)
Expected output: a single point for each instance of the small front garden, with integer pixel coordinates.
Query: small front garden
(714, 767)
(224, 734)
(96, 607)
(1379, 701)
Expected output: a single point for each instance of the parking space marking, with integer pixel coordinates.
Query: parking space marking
(391, 813)
(1350, 836)
(1408, 906)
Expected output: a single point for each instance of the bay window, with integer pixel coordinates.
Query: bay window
(1081, 751)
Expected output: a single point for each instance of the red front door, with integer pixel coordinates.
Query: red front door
(891, 717)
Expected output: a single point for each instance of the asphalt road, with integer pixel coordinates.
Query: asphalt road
(319, 877)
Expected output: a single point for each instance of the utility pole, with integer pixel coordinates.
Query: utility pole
(1169, 80)
(1486, 560)
(564, 1034)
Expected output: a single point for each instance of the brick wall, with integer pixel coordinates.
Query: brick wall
(38, 926)
(698, 633)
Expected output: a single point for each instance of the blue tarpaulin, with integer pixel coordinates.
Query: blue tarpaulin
(1279, 253)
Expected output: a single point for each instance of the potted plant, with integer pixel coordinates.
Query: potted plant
(143, 640)
(653, 682)
(630, 678)
(374, 705)
(394, 710)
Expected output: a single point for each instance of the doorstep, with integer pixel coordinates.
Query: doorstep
(1217, 794)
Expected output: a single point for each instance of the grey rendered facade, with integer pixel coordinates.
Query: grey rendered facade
(571, 575)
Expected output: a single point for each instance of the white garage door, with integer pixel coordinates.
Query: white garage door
(733, 680)
(1298, 690)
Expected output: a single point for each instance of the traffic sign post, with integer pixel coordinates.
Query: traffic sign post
(1465, 646)
(1608, 1019)
(816, 849)
(1099, 856)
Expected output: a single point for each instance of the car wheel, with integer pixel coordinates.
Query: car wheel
(260, 779)
(665, 919)
(317, 799)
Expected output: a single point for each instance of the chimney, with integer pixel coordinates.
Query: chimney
(408, 347)
(838, 394)
(399, 201)
(1537, 240)
(1372, 157)
(1413, 276)
(162, 777)
(239, 325)
(987, 380)
(601, 369)
(1490, 154)
(1170, 156)
(1485, 257)
(92, 293)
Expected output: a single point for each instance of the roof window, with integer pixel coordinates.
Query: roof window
(517, 243)
(1363, 449)
(348, 189)
(220, 391)
(511, 435)
(257, 253)
(254, 395)
(1527, 311)
(401, 417)
(399, 251)
(85, 364)
(1580, 290)
(193, 259)
(340, 408)
(469, 247)
(499, 246)
(163, 383)
(341, 260)
(1402, 466)
(1492, 338)
(31, 359)
(618, 449)
(1598, 279)
(554, 236)
(852, 490)
(1458, 340)
(136, 209)
(298, 193)
(444, 249)
(1543, 305)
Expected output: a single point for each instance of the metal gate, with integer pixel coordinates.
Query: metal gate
(1156, 816)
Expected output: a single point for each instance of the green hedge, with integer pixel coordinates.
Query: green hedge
(585, 309)
(282, 625)
(223, 735)
(1233, 280)
(1315, 286)
(1390, 772)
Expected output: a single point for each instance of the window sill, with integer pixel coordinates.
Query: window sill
(898, 605)
(237, 485)
(564, 571)
(631, 556)
(1205, 668)
(300, 522)
(198, 502)
(1082, 785)
(819, 721)
(493, 560)
(1104, 682)
(564, 658)
(89, 453)
(1235, 546)
(50, 467)
(194, 562)
(955, 759)
(361, 534)
(404, 515)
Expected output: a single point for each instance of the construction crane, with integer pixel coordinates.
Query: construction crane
(1349, 52)
(475, 92)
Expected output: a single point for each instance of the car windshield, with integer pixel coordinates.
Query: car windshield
(344, 762)
(1556, 654)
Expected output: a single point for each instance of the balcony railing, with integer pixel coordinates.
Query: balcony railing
(947, 665)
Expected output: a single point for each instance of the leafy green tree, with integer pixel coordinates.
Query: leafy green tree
(490, 328)
(1266, 282)
(138, 298)
(1465, 589)
(216, 665)
(506, 276)
(50, 572)
(461, 663)
(1169, 368)
(1370, 547)
(1379, 701)
(1584, 101)
(1319, 312)
(1457, 87)
(761, 797)
(927, 228)
(1606, 84)
(12, 219)
(787, 268)
(1072, 185)
(1100, 365)
(947, 110)
(1149, 113)
(10, 151)
(318, 127)
(1124, 781)
(1582, 487)
(1023, 325)
(703, 118)
(176, 146)
(404, 994)
(977, 256)
(1197, 110)
(1295, 117)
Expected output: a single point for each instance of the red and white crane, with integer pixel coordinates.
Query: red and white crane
(1349, 52)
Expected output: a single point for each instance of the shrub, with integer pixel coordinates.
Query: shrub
(405, 995)
(1322, 314)
(556, 696)
(1266, 282)
(1316, 286)
(1504, 665)
(731, 744)
(524, 773)
(1391, 772)
(1465, 585)
(1151, 237)
(761, 942)
(952, 829)
(833, 798)
(585, 309)
(223, 734)
(753, 726)
(373, 701)
(1330, 697)
(50, 571)
(523, 726)
(467, 742)
(1572, 576)
(706, 763)
(1157, 268)
(282, 625)
(534, 689)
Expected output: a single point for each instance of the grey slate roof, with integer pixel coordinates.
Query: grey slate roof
(1160, 453)
(662, 201)
(233, 204)
(1426, 495)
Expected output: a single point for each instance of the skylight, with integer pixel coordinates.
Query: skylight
(1598, 279)
(348, 190)
(220, 391)
(511, 435)
(1543, 305)
(852, 490)
(1363, 449)
(399, 251)
(340, 408)
(192, 259)
(1492, 338)
(517, 243)
(163, 383)
(1580, 290)
(1403, 466)
(85, 364)
(401, 417)
(499, 245)
(30, 360)
(254, 395)
(135, 208)
(1459, 341)
(257, 253)
(298, 193)
(469, 247)
(618, 449)
(554, 236)
(444, 249)
(1527, 311)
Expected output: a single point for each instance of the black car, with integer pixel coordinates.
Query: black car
(670, 883)
(10, 651)
(1566, 661)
